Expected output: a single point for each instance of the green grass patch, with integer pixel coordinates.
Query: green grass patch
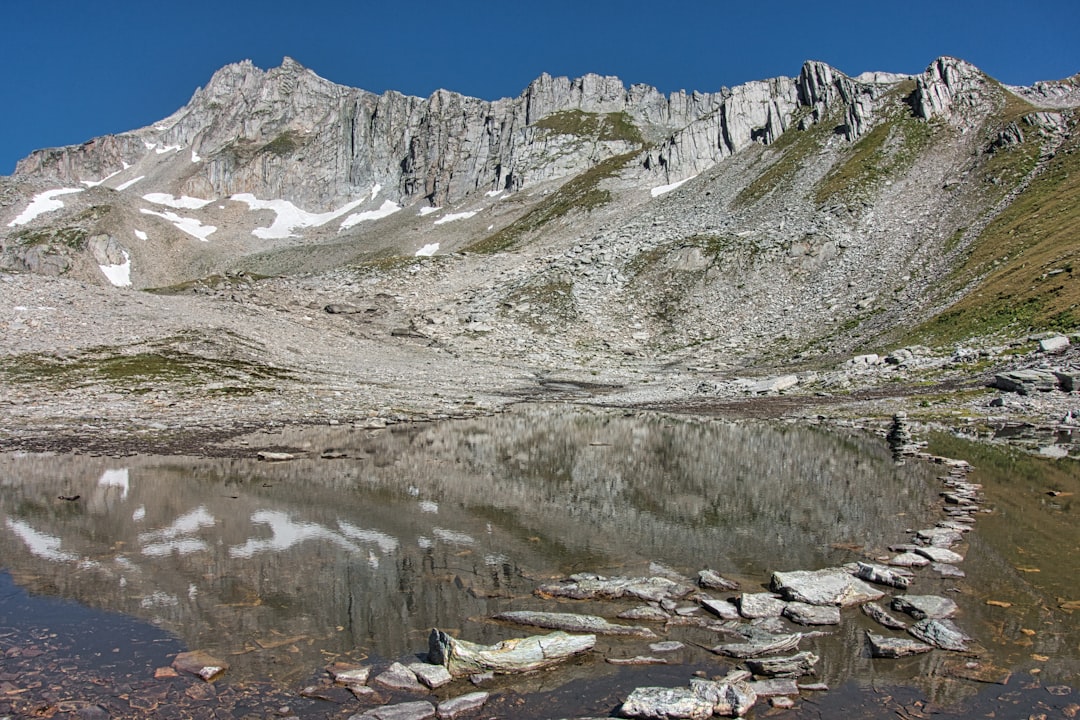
(142, 371)
(890, 148)
(596, 126)
(283, 144)
(1027, 259)
(579, 194)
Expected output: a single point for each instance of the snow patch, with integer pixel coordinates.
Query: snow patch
(149, 145)
(141, 235)
(428, 210)
(166, 149)
(289, 217)
(389, 207)
(494, 193)
(375, 190)
(180, 203)
(95, 183)
(43, 203)
(119, 275)
(195, 157)
(456, 216)
(428, 250)
(129, 183)
(191, 226)
(658, 191)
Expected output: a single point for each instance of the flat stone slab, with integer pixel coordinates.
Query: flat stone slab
(910, 559)
(571, 622)
(587, 586)
(454, 707)
(347, 674)
(774, 687)
(419, 710)
(755, 647)
(794, 666)
(434, 676)
(805, 614)
(940, 537)
(647, 613)
(831, 586)
(940, 633)
(925, 606)
(940, 554)
(666, 646)
(946, 570)
(399, 677)
(720, 608)
(889, 647)
(658, 702)
(760, 605)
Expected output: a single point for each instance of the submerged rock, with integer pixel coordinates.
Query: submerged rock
(940, 633)
(886, 647)
(831, 586)
(878, 614)
(463, 658)
(200, 663)
(572, 622)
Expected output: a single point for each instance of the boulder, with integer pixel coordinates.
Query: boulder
(1025, 382)
(1055, 344)
(790, 667)
(711, 580)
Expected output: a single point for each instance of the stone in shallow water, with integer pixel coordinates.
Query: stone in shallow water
(666, 646)
(887, 647)
(434, 676)
(760, 605)
(347, 674)
(720, 608)
(878, 614)
(940, 554)
(587, 586)
(946, 570)
(200, 663)
(645, 612)
(420, 710)
(925, 606)
(658, 703)
(730, 697)
(910, 559)
(872, 572)
(791, 667)
(831, 586)
(758, 645)
(774, 687)
(711, 580)
(940, 633)
(572, 622)
(452, 708)
(805, 614)
(399, 677)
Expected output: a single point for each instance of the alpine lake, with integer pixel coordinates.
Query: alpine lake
(352, 551)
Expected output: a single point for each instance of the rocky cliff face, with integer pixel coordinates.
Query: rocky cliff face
(287, 133)
(779, 211)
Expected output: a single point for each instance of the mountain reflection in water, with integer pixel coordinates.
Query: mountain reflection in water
(282, 567)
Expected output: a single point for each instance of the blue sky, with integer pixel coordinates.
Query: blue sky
(76, 69)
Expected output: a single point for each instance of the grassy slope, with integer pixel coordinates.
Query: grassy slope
(1026, 258)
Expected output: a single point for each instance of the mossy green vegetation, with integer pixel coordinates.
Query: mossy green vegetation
(597, 126)
(283, 144)
(73, 237)
(141, 371)
(891, 147)
(581, 193)
(1025, 262)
